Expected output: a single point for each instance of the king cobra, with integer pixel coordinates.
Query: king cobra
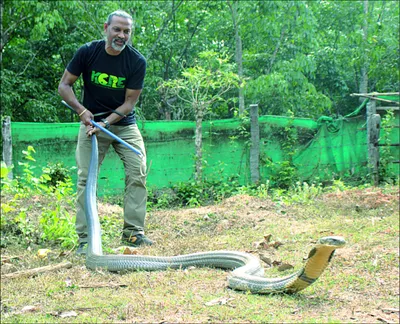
(247, 274)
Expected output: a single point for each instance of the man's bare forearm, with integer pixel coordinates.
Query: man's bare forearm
(124, 109)
(68, 95)
(132, 96)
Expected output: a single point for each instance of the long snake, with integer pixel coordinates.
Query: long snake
(247, 274)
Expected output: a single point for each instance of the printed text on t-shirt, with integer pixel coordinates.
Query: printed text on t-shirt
(108, 80)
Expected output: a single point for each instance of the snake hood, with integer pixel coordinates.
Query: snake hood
(333, 241)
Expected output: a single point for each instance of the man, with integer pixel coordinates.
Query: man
(113, 73)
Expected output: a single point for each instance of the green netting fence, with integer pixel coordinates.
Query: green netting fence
(325, 149)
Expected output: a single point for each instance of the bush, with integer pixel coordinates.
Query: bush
(37, 212)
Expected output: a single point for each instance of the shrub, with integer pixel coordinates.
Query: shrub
(27, 219)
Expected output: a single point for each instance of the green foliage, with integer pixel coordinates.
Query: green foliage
(195, 194)
(283, 174)
(303, 56)
(26, 221)
(287, 90)
(200, 87)
(192, 194)
(302, 193)
(57, 224)
(57, 173)
(203, 84)
(243, 130)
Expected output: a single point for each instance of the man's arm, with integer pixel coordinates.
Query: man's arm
(131, 97)
(65, 91)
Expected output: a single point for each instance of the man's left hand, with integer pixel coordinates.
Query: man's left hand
(90, 129)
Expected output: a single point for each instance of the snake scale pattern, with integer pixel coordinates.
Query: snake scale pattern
(247, 274)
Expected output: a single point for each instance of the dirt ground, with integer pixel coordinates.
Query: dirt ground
(360, 286)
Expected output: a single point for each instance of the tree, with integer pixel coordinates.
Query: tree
(27, 60)
(281, 62)
(201, 86)
(239, 50)
(299, 56)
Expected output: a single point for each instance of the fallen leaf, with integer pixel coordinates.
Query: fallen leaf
(259, 245)
(375, 262)
(130, 251)
(189, 268)
(276, 244)
(266, 259)
(63, 314)
(391, 310)
(325, 231)
(219, 301)
(285, 266)
(267, 237)
(42, 253)
(276, 263)
(384, 320)
(68, 314)
(29, 308)
(68, 282)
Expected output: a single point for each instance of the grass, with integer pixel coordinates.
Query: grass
(361, 284)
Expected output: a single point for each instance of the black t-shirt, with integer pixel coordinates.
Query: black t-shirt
(106, 77)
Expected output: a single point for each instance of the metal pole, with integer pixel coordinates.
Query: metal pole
(109, 133)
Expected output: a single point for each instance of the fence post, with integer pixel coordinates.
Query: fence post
(255, 144)
(373, 130)
(7, 143)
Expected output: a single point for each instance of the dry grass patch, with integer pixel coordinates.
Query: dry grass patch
(360, 285)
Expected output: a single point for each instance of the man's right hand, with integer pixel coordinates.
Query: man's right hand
(86, 118)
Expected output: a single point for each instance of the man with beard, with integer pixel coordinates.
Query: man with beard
(113, 74)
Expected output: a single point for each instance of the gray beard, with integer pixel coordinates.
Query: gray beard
(117, 47)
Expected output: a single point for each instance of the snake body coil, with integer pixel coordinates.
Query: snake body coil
(247, 274)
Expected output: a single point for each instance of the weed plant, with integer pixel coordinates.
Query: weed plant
(25, 218)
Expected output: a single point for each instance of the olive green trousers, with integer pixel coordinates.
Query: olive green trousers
(135, 196)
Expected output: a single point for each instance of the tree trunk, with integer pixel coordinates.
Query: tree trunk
(255, 145)
(198, 144)
(239, 53)
(7, 144)
(239, 62)
(365, 64)
(373, 128)
(1, 32)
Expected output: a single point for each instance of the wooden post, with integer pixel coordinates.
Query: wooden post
(7, 144)
(373, 129)
(255, 144)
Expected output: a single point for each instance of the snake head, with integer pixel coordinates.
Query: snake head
(333, 241)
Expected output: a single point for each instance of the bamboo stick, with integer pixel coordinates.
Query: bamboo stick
(387, 108)
(372, 97)
(376, 94)
(32, 272)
